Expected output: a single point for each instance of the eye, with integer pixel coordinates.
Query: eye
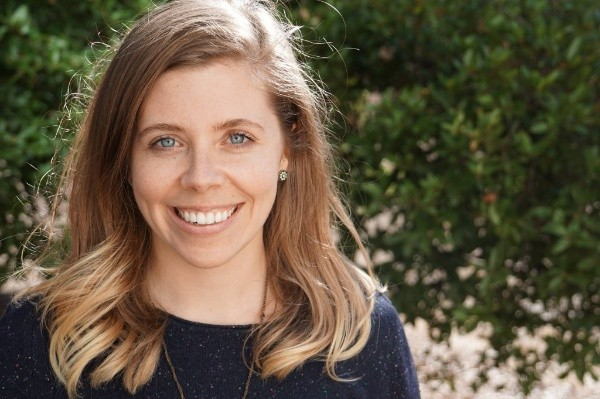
(165, 142)
(238, 138)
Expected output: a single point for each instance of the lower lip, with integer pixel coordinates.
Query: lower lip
(204, 229)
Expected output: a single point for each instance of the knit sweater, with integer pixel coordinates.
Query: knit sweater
(208, 363)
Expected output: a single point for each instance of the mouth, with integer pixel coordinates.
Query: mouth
(205, 218)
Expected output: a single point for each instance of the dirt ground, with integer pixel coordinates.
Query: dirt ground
(459, 363)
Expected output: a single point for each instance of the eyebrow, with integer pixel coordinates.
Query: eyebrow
(228, 124)
(167, 127)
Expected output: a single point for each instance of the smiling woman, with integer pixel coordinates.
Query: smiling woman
(202, 208)
(204, 173)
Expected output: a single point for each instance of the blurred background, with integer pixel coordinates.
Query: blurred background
(469, 142)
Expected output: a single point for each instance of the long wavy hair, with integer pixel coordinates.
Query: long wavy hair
(95, 305)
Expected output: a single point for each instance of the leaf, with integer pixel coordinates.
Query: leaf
(555, 284)
(588, 265)
(561, 245)
(20, 19)
(494, 215)
(539, 127)
(574, 47)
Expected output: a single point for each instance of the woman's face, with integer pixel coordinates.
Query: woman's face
(204, 165)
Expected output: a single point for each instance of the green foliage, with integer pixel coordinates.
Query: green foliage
(474, 127)
(42, 45)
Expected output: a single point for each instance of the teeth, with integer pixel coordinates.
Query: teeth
(210, 218)
(204, 218)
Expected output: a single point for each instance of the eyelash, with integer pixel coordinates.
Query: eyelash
(154, 143)
(247, 139)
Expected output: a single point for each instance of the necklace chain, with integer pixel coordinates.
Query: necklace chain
(250, 370)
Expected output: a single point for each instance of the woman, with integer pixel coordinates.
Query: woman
(201, 211)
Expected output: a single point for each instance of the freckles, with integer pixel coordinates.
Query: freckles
(141, 178)
(264, 175)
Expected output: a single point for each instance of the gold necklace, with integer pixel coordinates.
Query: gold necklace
(250, 370)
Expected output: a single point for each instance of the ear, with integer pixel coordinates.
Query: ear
(283, 162)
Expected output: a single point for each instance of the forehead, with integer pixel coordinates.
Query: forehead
(225, 89)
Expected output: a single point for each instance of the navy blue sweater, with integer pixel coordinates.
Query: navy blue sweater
(208, 362)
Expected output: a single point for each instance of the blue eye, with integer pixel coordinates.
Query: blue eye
(166, 142)
(237, 138)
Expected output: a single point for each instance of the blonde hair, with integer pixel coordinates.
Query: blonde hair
(95, 305)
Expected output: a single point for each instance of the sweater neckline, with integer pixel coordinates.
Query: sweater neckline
(197, 324)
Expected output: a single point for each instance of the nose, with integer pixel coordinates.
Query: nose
(202, 172)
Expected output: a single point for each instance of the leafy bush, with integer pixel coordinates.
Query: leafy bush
(42, 45)
(474, 135)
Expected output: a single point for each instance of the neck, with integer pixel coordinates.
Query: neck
(226, 295)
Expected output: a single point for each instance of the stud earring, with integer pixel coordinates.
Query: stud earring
(283, 175)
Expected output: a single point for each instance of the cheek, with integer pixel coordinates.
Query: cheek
(144, 181)
(258, 179)
(261, 170)
(143, 196)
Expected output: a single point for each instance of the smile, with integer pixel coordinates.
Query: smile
(204, 218)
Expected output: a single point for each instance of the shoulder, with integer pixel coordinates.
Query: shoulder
(20, 323)
(387, 331)
(386, 325)
(19, 311)
(387, 354)
(385, 312)
(24, 366)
